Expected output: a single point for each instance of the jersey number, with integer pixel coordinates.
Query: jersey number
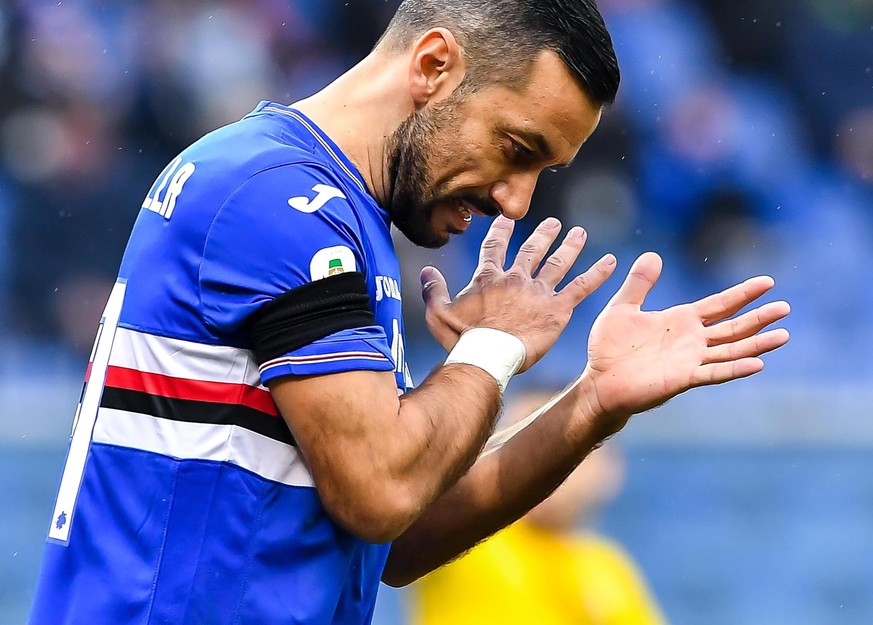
(86, 417)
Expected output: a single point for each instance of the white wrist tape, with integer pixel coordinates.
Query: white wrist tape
(498, 353)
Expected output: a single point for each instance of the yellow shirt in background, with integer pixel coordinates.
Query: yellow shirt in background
(529, 576)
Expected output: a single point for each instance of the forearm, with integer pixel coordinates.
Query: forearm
(379, 461)
(503, 484)
(450, 417)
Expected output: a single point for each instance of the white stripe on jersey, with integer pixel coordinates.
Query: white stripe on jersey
(183, 359)
(322, 358)
(259, 454)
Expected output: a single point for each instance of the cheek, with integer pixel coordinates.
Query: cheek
(466, 165)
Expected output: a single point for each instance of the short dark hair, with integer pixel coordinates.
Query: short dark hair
(500, 38)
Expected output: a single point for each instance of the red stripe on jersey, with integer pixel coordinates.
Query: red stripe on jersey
(196, 390)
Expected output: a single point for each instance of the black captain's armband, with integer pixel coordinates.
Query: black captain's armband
(310, 312)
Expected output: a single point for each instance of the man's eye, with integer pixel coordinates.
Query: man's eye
(519, 150)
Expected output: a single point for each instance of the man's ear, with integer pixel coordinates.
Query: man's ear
(437, 66)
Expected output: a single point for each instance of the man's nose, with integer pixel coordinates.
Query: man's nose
(513, 194)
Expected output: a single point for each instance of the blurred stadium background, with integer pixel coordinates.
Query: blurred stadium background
(741, 143)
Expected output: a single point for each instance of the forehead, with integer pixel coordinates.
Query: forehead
(551, 103)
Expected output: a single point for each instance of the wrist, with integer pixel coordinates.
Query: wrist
(605, 420)
(498, 353)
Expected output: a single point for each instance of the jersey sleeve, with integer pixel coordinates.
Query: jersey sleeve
(278, 234)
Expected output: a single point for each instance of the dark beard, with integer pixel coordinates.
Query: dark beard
(411, 206)
(413, 197)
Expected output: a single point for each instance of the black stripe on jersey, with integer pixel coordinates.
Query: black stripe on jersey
(191, 411)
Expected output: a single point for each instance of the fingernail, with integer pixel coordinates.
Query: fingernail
(550, 222)
(576, 233)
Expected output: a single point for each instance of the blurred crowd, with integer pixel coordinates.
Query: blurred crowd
(741, 142)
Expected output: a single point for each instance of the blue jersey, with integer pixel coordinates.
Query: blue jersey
(184, 499)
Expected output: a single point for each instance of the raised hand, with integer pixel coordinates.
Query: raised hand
(520, 300)
(638, 360)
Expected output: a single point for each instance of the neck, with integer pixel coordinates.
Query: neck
(360, 111)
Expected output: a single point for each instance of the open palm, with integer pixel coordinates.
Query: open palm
(639, 359)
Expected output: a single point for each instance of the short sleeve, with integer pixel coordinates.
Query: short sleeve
(282, 229)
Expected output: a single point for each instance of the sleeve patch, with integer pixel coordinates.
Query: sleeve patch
(332, 261)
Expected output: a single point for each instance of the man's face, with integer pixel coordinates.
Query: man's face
(482, 154)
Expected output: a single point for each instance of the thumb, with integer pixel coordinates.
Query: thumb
(434, 290)
(642, 277)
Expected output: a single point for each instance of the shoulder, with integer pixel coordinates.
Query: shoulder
(287, 212)
(285, 226)
(266, 154)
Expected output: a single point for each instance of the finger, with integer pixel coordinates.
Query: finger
(585, 284)
(750, 347)
(748, 324)
(533, 250)
(434, 290)
(437, 314)
(493, 248)
(726, 371)
(730, 301)
(642, 277)
(558, 264)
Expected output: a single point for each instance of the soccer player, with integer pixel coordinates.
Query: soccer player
(248, 447)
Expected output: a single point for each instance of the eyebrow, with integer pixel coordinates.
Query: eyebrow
(537, 140)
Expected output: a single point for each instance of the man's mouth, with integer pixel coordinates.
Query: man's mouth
(467, 207)
(466, 212)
